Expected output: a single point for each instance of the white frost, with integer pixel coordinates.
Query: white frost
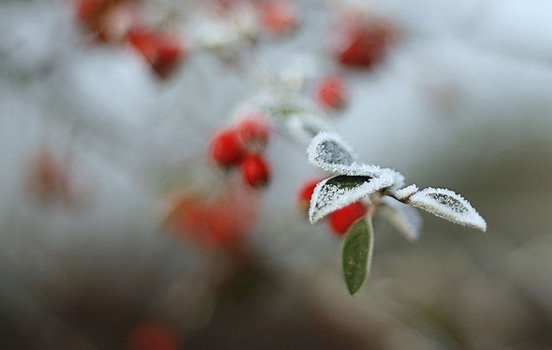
(403, 217)
(331, 194)
(398, 178)
(404, 193)
(328, 151)
(448, 205)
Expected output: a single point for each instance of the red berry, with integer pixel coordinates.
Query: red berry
(364, 45)
(255, 171)
(330, 93)
(278, 17)
(226, 149)
(253, 132)
(342, 219)
(306, 193)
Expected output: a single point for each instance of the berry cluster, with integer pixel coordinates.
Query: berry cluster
(340, 220)
(242, 146)
(118, 21)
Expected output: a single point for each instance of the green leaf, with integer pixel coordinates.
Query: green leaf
(357, 254)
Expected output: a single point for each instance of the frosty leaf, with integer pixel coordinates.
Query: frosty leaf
(357, 254)
(448, 205)
(339, 191)
(328, 151)
(404, 193)
(403, 217)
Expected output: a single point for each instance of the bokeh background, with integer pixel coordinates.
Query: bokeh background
(101, 151)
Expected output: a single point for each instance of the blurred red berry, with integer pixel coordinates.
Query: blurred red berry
(278, 17)
(213, 220)
(170, 54)
(162, 51)
(226, 150)
(144, 42)
(153, 335)
(330, 93)
(255, 171)
(342, 219)
(306, 193)
(253, 131)
(364, 45)
(108, 20)
(89, 10)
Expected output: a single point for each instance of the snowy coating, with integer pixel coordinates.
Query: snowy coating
(339, 191)
(329, 152)
(403, 217)
(448, 205)
(398, 178)
(405, 192)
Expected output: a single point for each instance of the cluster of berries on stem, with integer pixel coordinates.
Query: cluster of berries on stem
(242, 146)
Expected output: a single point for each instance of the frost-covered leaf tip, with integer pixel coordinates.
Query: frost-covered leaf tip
(328, 151)
(449, 206)
(339, 191)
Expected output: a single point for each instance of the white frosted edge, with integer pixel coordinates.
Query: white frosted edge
(405, 192)
(313, 153)
(457, 210)
(398, 178)
(345, 197)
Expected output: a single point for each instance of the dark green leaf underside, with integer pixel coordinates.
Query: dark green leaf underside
(348, 182)
(356, 256)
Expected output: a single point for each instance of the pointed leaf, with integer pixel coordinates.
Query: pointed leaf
(357, 254)
(339, 191)
(403, 217)
(328, 150)
(448, 205)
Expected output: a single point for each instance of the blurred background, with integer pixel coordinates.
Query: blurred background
(120, 229)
